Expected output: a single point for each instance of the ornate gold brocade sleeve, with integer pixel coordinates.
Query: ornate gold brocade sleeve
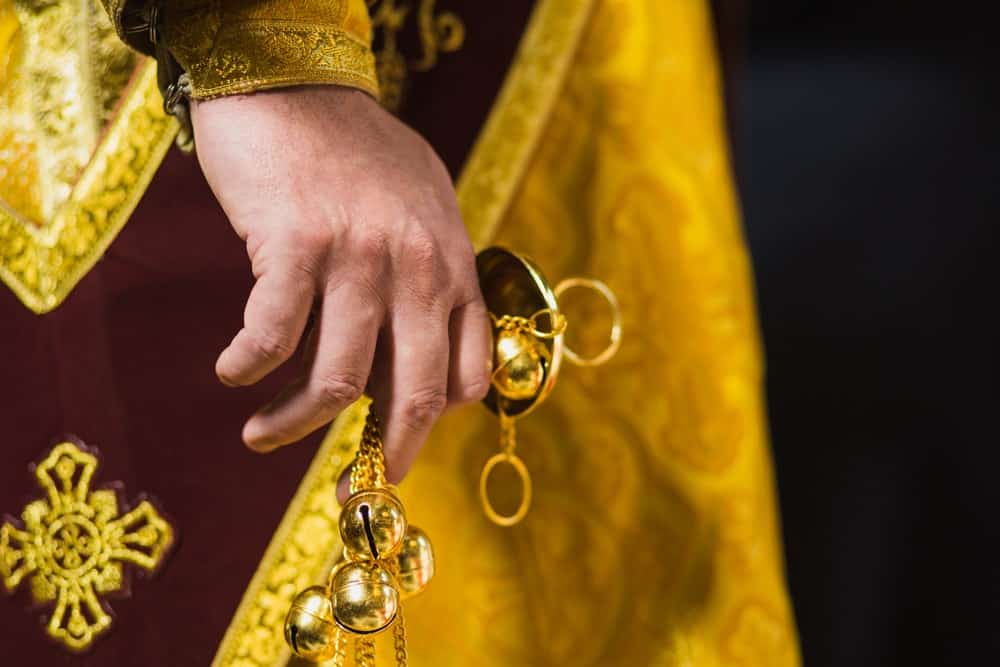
(239, 46)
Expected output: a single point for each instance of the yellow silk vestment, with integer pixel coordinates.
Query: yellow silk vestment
(653, 538)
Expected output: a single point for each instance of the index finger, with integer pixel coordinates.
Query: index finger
(275, 317)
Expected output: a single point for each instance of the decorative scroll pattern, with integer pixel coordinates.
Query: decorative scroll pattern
(442, 32)
(75, 544)
(233, 46)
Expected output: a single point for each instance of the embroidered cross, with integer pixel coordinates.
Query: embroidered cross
(74, 544)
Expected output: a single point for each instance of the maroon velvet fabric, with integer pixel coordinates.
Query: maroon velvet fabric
(449, 103)
(125, 365)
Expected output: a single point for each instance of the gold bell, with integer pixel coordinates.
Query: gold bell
(365, 599)
(372, 524)
(414, 562)
(520, 365)
(310, 628)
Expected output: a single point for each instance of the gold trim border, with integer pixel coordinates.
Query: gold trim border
(306, 543)
(42, 264)
(304, 547)
(499, 158)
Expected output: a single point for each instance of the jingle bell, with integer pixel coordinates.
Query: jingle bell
(414, 562)
(364, 596)
(310, 629)
(372, 524)
(520, 365)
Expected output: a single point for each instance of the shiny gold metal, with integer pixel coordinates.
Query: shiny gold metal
(513, 285)
(520, 365)
(484, 496)
(372, 524)
(384, 560)
(528, 347)
(414, 562)
(309, 626)
(616, 321)
(364, 596)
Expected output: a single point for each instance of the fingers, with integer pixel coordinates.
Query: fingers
(471, 352)
(344, 485)
(468, 380)
(410, 388)
(273, 321)
(347, 330)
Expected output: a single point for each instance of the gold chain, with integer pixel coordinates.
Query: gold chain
(399, 636)
(530, 325)
(368, 471)
(364, 652)
(508, 434)
(340, 656)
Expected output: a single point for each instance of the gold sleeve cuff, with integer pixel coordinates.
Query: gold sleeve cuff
(238, 46)
(229, 47)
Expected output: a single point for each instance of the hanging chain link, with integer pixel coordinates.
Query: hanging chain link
(340, 655)
(399, 639)
(530, 325)
(368, 471)
(508, 434)
(364, 652)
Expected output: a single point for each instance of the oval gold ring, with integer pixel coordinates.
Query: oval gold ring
(522, 471)
(616, 321)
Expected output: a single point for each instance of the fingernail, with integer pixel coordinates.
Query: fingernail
(344, 486)
(255, 440)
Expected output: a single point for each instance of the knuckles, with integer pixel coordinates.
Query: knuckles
(307, 238)
(473, 390)
(373, 250)
(336, 392)
(422, 252)
(270, 346)
(423, 407)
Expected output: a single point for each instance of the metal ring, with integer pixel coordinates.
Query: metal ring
(558, 322)
(484, 496)
(616, 323)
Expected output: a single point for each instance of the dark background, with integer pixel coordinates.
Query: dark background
(866, 144)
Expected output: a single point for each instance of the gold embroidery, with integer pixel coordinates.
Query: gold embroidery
(233, 46)
(54, 98)
(75, 544)
(439, 32)
(523, 107)
(306, 542)
(42, 263)
(269, 54)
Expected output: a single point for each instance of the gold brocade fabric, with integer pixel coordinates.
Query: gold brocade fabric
(653, 537)
(238, 46)
(82, 131)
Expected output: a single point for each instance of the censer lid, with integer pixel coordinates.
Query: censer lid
(512, 284)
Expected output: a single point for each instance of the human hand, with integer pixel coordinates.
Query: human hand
(348, 214)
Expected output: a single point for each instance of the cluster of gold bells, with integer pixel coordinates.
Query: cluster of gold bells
(387, 560)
